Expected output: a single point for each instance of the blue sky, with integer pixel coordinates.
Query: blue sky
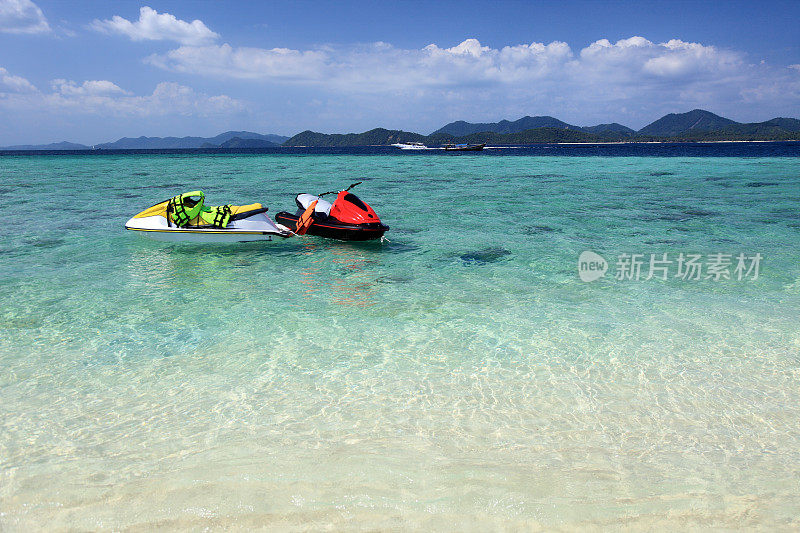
(95, 71)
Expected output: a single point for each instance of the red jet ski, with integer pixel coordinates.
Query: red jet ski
(348, 218)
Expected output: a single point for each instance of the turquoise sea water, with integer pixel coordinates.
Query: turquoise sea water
(460, 376)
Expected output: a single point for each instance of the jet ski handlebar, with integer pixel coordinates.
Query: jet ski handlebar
(347, 189)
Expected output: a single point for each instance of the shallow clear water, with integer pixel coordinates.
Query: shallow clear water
(460, 376)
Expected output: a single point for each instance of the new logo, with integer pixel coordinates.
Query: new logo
(591, 266)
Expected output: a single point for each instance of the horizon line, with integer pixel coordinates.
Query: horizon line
(7, 147)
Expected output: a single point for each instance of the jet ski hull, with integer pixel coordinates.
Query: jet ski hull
(204, 236)
(333, 229)
(255, 227)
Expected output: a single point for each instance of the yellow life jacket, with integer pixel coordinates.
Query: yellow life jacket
(217, 216)
(184, 208)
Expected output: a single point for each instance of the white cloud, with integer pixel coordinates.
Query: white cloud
(470, 47)
(382, 66)
(370, 68)
(88, 88)
(635, 60)
(154, 26)
(632, 80)
(245, 63)
(16, 84)
(22, 16)
(105, 98)
(168, 98)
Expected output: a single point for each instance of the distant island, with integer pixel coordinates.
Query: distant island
(229, 139)
(694, 126)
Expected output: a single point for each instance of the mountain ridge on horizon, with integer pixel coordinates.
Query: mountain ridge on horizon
(694, 125)
(144, 143)
(461, 128)
(162, 143)
(669, 125)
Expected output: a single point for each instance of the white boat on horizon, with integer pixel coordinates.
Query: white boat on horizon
(411, 146)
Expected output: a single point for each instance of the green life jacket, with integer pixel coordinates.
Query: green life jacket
(217, 216)
(184, 208)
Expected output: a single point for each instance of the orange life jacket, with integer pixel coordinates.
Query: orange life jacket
(306, 219)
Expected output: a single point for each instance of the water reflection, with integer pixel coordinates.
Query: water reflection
(342, 273)
(170, 266)
(345, 271)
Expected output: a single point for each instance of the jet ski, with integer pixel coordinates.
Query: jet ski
(186, 218)
(348, 218)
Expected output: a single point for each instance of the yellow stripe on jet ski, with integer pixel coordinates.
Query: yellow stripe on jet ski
(225, 232)
(158, 209)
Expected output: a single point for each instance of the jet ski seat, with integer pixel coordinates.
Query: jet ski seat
(322, 209)
(244, 214)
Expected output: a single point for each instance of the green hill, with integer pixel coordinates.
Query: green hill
(162, 143)
(386, 137)
(760, 131)
(461, 128)
(531, 136)
(788, 124)
(696, 125)
(610, 129)
(682, 123)
(238, 142)
(378, 136)
(63, 145)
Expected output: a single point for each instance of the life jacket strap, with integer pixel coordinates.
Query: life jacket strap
(217, 216)
(182, 213)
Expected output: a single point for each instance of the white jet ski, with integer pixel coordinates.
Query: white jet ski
(185, 218)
